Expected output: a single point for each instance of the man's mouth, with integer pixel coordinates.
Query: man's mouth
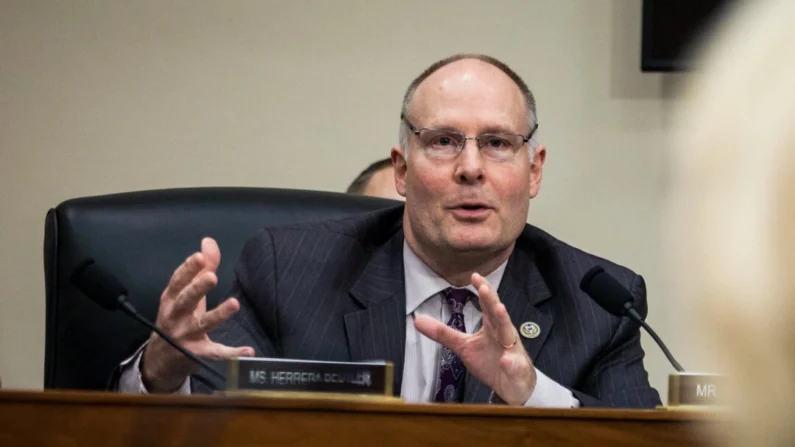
(471, 207)
(471, 211)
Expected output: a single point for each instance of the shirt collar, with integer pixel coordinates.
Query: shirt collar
(423, 283)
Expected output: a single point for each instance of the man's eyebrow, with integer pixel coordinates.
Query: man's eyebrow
(443, 127)
(499, 129)
(491, 129)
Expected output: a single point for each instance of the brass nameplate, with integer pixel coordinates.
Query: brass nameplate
(693, 389)
(308, 376)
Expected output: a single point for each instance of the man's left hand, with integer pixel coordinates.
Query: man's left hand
(494, 354)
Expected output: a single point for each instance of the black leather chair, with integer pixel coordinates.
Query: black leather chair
(141, 237)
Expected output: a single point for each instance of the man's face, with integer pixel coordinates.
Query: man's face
(469, 203)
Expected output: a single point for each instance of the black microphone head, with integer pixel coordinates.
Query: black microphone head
(99, 285)
(607, 291)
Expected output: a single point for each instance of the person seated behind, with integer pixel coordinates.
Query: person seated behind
(469, 302)
(377, 180)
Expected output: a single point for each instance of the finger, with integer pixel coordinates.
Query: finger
(184, 274)
(191, 295)
(486, 324)
(217, 351)
(489, 300)
(500, 321)
(211, 253)
(479, 280)
(212, 319)
(440, 332)
(495, 312)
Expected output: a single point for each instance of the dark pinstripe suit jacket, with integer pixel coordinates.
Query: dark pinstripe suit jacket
(335, 291)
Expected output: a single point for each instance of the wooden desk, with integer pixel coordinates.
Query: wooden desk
(103, 419)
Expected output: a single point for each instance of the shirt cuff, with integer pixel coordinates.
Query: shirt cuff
(550, 394)
(130, 380)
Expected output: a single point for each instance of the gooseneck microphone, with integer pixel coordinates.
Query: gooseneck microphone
(616, 299)
(105, 289)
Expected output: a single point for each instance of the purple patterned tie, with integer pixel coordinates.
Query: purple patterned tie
(450, 387)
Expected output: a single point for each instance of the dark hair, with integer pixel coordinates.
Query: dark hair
(360, 183)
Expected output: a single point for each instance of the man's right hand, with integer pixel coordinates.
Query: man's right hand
(183, 315)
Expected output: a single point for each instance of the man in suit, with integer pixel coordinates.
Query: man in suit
(469, 302)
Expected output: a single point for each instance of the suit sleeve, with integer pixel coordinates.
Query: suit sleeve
(618, 378)
(255, 324)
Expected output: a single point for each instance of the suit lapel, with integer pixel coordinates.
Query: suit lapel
(378, 331)
(522, 289)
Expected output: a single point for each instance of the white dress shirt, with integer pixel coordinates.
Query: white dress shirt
(421, 361)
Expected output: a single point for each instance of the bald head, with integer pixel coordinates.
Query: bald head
(455, 74)
(457, 91)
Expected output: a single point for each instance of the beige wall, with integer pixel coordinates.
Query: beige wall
(101, 97)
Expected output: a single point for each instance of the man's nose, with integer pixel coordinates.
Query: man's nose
(469, 168)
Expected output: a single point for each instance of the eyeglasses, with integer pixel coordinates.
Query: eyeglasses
(445, 143)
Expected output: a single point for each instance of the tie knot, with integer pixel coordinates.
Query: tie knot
(457, 298)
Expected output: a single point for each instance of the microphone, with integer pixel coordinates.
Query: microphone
(616, 299)
(102, 287)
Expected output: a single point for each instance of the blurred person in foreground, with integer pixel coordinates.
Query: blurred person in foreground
(377, 180)
(733, 214)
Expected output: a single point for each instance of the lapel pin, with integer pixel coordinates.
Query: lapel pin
(529, 329)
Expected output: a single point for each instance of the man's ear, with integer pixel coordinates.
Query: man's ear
(536, 170)
(399, 163)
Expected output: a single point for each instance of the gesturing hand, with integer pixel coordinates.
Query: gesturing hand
(494, 353)
(183, 315)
